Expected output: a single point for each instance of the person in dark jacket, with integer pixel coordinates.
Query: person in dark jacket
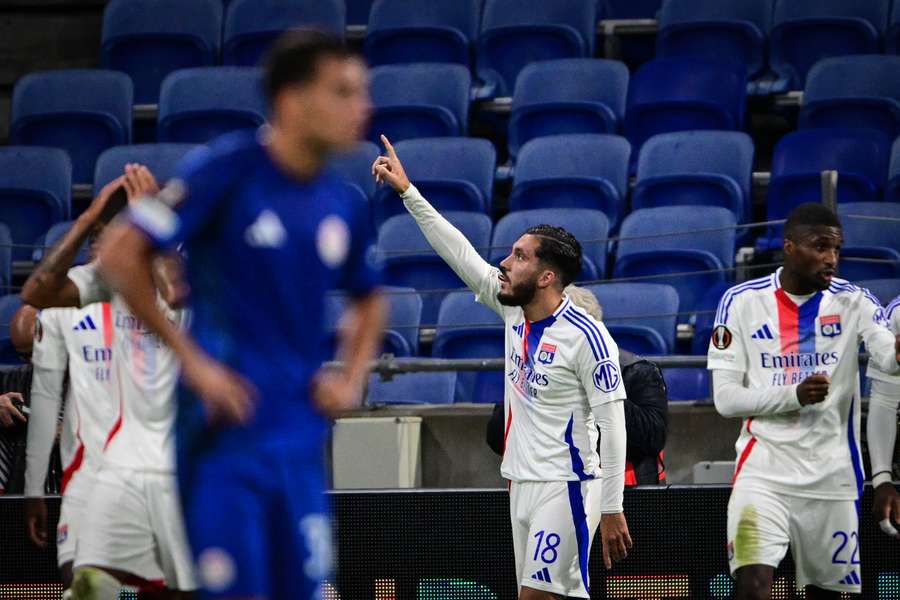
(646, 408)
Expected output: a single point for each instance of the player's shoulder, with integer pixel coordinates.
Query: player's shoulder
(737, 295)
(842, 287)
(585, 332)
(891, 310)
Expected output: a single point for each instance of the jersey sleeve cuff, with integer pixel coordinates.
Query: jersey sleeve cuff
(156, 220)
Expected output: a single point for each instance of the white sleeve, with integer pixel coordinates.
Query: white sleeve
(733, 399)
(610, 418)
(455, 249)
(873, 372)
(874, 332)
(881, 428)
(727, 345)
(91, 286)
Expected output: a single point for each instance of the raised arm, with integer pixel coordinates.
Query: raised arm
(447, 241)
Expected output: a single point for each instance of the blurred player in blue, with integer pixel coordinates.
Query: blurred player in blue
(267, 232)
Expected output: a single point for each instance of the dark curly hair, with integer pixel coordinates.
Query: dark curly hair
(560, 250)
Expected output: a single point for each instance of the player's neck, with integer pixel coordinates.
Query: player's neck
(542, 306)
(302, 162)
(793, 285)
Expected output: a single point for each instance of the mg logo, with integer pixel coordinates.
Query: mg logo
(606, 376)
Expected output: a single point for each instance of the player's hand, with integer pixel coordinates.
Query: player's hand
(139, 182)
(886, 509)
(228, 398)
(615, 537)
(813, 389)
(98, 204)
(9, 413)
(36, 521)
(389, 169)
(335, 393)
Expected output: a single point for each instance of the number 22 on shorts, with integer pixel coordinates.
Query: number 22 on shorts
(550, 542)
(840, 555)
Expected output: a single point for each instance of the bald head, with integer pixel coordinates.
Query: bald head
(21, 328)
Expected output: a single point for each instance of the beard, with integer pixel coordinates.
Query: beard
(519, 295)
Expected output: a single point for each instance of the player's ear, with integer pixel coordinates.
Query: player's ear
(547, 279)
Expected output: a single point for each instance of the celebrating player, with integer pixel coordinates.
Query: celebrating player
(881, 429)
(784, 357)
(267, 234)
(562, 377)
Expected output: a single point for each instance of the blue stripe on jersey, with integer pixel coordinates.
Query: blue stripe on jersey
(806, 324)
(586, 334)
(731, 294)
(854, 453)
(535, 332)
(592, 328)
(576, 502)
(577, 464)
(889, 309)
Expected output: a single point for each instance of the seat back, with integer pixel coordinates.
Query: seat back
(9, 304)
(641, 317)
(886, 290)
(412, 388)
(355, 168)
(161, 159)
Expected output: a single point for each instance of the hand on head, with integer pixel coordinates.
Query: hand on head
(139, 182)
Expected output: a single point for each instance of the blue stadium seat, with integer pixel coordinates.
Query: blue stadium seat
(670, 241)
(854, 91)
(452, 173)
(251, 26)
(706, 317)
(401, 334)
(515, 33)
(860, 156)
(355, 168)
(892, 35)
(711, 168)
(358, 11)
(82, 111)
(590, 227)
(6, 241)
(9, 304)
(419, 100)
(883, 289)
(412, 388)
(409, 260)
(892, 191)
(629, 9)
(35, 193)
(641, 317)
(405, 31)
(467, 329)
(687, 384)
(708, 28)
(575, 95)
(573, 171)
(679, 94)
(161, 159)
(54, 234)
(866, 238)
(148, 39)
(806, 31)
(198, 105)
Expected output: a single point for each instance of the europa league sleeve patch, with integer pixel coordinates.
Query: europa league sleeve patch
(721, 337)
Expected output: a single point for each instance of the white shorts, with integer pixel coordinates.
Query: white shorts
(71, 511)
(823, 536)
(553, 524)
(135, 525)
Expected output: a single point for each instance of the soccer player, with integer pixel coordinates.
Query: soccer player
(881, 427)
(267, 233)
(562, 379)
(784, 356)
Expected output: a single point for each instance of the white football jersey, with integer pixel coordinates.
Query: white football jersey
(144, 378)
(79, 339)
(762, 332)
(892, 314)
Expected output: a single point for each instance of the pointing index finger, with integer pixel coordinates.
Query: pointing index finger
(388, 146)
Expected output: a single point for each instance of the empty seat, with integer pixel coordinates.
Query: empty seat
(854, 91)
(161, 159)
(871, 247)
(687, 384)
(404, 31)
(35, 193)
(9, 304)
(590, 228)
(355, 168)
(452, 173)
(576, 95)
(573, 171)
(54, 234)
(148, 39)
(515, 33)
(806, 31)
(892, 35)
(712, 168)
(641, 317)
(892, 191)
(679, 94)
(690, 248)
(886, 290)
(468, 329)
(412, 388)
(734, 30)
(419, 100)
(198, 105)
(401, 334)
(409, 260)
(82, 111)
(251, 26)
(860, 156)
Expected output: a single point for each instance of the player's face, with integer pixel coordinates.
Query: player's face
(520, 273)
(332, 110)
(812, 256)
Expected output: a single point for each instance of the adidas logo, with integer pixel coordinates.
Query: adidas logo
(266, 232)
(542, 575)
(763, 333)
(85, 324)
(851, 579)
